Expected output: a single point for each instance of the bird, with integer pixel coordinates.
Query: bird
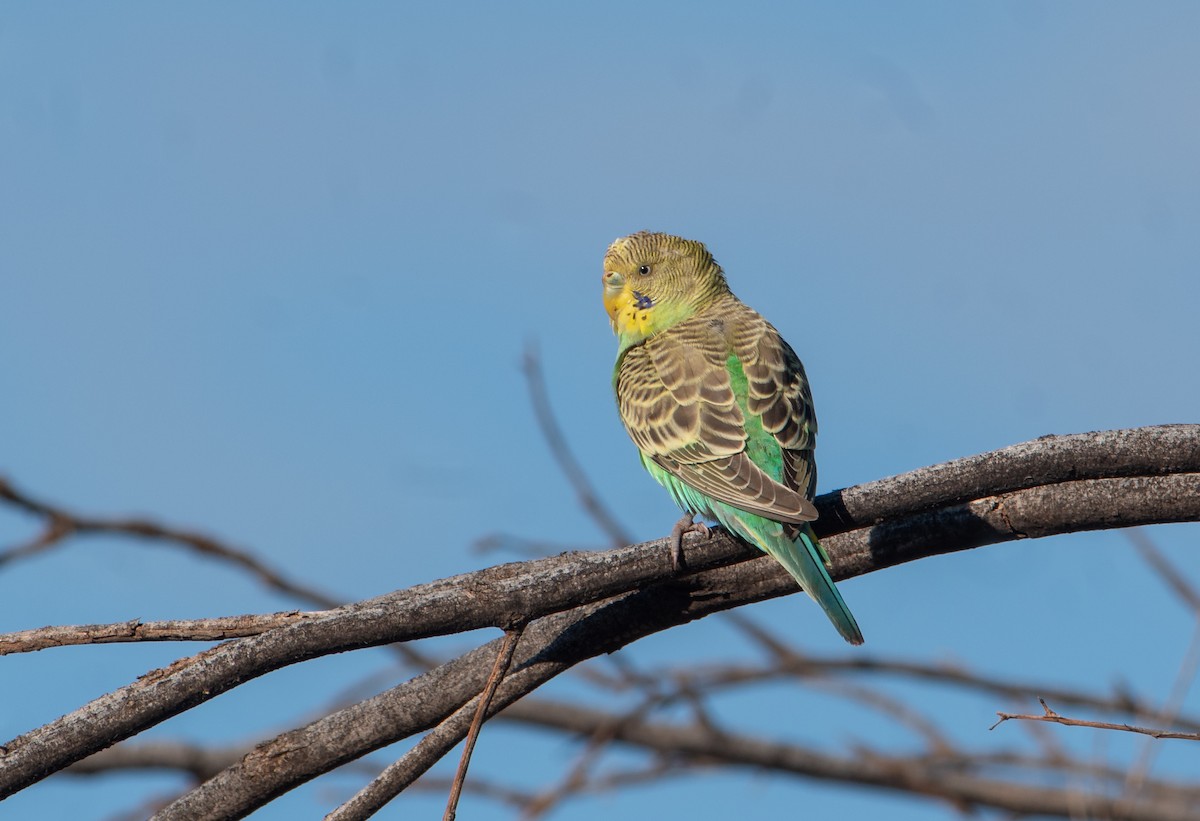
(718, 405)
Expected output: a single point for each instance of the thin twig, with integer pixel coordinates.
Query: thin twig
(62, 523)
(789, 660)
(531, 365)
(136, 630)
(950, 778)
(1171, 708)
(198, 761)
(520, 546)
(535, 806)
(575, 779)
(1174, 579)
(54, 531)
(1170, 575)
(1055, 718)
(504, 794)
(398, 775)
(503, 659)
(894, 708)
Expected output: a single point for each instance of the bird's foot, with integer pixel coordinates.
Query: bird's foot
(687, 524)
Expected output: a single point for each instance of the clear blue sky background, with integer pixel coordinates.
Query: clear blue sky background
(269, 269)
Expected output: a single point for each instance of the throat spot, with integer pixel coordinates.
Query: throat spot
(642, 301)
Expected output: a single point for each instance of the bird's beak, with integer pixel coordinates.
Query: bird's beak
(617, 294)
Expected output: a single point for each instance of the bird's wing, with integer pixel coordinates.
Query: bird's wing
(779, 395)
(677, 399)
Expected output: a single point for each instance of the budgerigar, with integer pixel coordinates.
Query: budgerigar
(718, 405)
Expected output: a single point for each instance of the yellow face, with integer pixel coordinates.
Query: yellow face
(629, 310)
(650, 282)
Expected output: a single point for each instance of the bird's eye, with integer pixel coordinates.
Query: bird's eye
(644, 270)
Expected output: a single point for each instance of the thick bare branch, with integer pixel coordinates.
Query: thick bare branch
(1157, 450)
(501, 595)
(548, 647)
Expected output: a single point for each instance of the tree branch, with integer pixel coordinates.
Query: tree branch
(1063, 484)
(936, 776)
(789, 661)
(531, 365)
(61, 523)
(503, 660)
(214, 629)
(1055, 718)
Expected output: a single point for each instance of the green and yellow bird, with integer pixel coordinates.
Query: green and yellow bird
(718, 405)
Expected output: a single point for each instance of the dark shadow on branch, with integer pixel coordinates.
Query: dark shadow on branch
(587, 604)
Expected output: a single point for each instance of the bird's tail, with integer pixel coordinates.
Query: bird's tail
(804, 558)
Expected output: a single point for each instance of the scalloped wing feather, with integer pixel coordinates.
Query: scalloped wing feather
(676, 398)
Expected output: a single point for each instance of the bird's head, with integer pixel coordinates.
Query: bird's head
(653, 281)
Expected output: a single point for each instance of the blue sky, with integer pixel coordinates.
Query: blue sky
(269, 270)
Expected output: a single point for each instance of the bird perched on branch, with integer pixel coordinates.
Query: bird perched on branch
(718, 406)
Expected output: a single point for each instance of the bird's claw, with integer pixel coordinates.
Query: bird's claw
(685, 525)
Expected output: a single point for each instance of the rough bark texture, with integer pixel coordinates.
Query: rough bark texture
(585, 604)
